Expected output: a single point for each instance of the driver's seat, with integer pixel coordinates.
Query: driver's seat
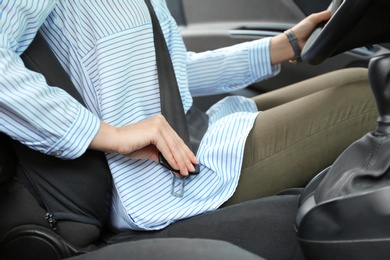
(26, 231)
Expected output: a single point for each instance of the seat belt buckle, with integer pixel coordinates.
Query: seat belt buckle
(164, 163)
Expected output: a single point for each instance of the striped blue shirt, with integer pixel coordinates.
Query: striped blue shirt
(107, 49)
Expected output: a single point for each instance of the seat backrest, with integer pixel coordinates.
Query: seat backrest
(7, 160)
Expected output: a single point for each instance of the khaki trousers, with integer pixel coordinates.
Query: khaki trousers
(302, 130)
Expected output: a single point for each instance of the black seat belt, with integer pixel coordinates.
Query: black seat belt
(171, 104)
(40, 58)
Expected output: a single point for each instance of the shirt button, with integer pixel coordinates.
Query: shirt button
(58, 153)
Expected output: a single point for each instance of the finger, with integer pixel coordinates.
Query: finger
(189, 158)
(320, 17)
(181, 153)
(171, 151)
(173, 148)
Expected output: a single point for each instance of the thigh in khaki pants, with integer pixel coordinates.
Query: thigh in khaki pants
(303, 128)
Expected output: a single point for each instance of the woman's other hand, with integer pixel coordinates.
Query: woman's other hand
(281, 49)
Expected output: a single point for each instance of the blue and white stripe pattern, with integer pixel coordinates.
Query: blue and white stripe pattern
(46, 119)
(107, 49)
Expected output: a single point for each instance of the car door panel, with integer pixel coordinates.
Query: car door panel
(210, 11)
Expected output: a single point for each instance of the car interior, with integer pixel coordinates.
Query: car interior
(357, 35)
(207, 25)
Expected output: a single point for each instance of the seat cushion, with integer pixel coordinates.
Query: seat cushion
(170, 248)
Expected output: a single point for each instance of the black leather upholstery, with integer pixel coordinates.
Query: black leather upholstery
(347, 213)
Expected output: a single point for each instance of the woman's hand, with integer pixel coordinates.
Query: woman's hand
(304, 29)
(281, 49)
(144, 140)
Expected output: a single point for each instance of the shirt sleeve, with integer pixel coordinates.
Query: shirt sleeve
(231, 68)
(44, 118)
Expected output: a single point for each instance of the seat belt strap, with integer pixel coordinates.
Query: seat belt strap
(171, 104)
(40, 58)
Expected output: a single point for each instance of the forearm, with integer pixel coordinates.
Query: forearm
(44, 118)
(229, 69)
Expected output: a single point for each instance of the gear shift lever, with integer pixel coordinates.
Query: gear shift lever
(345, 210)
(379, 75)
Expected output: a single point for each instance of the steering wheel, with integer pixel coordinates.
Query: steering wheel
(325, 40)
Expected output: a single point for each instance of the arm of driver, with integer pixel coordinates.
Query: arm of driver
(144, 140)
(44, 118)
(280, 47)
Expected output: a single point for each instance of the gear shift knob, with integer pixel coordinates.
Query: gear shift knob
(379, 76)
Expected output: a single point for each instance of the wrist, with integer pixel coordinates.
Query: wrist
(106, 139)
(294, 45)
(280, 49)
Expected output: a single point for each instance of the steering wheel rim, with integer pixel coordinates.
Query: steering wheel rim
(324, 41)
